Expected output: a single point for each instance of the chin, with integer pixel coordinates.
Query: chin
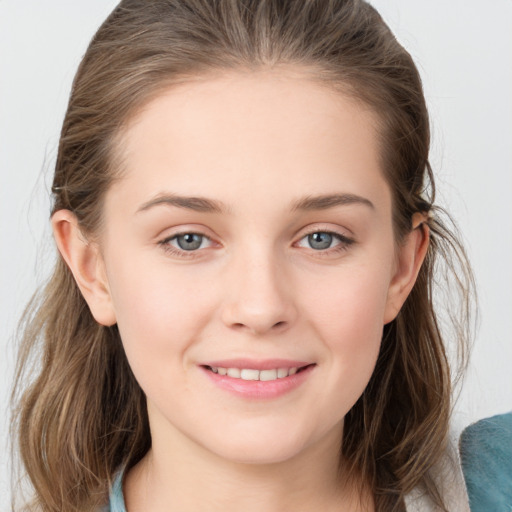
(256, 454)
(261, 446)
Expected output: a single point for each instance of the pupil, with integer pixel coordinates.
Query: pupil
(189, 241)
(320, 240)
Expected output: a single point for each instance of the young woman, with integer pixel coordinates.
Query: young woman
(242, 314)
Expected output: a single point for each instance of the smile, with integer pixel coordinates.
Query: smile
(251, 374)
(258, 380)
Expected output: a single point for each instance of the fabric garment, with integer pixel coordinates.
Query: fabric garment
(448, 477)
(486, 456)
(116, 503)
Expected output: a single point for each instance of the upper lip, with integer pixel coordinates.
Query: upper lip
(256, 364)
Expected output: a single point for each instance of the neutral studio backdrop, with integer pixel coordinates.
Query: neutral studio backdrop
(464, 54)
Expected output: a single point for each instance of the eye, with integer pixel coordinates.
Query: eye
(324, 240)
(189, 241)
(186, 242)
(320, 241)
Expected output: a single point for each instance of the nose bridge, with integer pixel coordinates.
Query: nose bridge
(258, 295)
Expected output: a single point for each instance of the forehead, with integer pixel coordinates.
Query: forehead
(273, 131)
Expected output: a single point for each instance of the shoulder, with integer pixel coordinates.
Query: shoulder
(486, 453)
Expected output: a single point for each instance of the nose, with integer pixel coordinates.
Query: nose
(258, 297)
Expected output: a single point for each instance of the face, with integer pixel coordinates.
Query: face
(250, 262)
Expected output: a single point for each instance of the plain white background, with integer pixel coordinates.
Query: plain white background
(464, 54)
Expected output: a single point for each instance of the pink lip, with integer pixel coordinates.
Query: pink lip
(255, 389)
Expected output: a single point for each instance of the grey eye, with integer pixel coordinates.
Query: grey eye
(320, 240)
(189, 241)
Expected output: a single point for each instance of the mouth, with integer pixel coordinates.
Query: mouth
(261, 380)
(252, 374)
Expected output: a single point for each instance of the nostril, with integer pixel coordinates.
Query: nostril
(276, 326)
(238, 326)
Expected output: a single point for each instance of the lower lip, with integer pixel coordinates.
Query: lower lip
(257, 389)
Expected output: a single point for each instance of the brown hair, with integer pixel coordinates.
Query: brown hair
(83, 415)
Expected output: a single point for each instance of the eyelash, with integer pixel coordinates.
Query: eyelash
(344, 243)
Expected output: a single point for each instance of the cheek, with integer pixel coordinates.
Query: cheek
(351, 300)
(347, 314)
(159, 314)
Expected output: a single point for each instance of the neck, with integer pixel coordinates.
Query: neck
(179, 475)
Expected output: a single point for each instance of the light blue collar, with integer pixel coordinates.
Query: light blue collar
(116, 499)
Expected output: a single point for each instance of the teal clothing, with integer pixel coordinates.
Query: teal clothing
(486, 456)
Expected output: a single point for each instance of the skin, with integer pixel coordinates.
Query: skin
(257, 144)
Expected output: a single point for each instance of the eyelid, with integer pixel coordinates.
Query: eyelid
(338, 231)
(178, 235)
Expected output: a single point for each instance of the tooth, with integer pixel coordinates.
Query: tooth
(282, 373)
(234, 372)
(268, 375)
(250, 374)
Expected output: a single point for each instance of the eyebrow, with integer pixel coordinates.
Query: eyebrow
(204, 205)
(323, 202)
(197, 204)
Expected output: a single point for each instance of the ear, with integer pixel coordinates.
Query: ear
(410, 258)
(86, 263)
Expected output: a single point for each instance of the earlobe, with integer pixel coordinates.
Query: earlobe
(410, 258)
(86, 264)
